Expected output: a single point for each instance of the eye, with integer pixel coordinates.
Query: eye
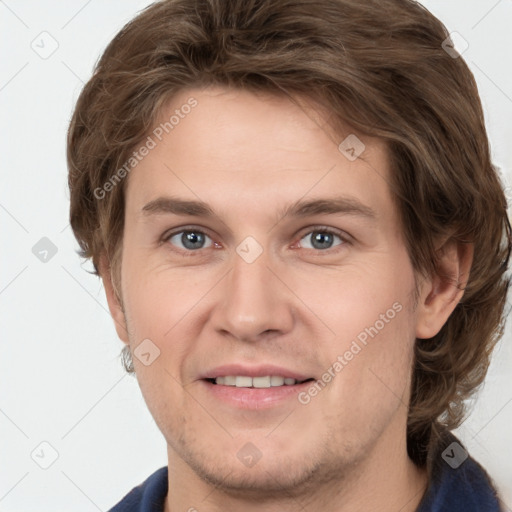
(190, 239)
(322, 239)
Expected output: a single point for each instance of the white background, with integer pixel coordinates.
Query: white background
(62, 381)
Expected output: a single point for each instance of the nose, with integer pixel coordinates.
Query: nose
(255, 302)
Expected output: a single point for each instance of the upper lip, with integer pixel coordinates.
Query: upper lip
(260, 370)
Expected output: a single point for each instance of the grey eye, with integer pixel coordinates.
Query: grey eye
(190, 240)
(320, 239)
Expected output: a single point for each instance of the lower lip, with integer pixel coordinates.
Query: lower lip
(254, 398)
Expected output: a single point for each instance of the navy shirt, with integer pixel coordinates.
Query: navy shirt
(465, 488)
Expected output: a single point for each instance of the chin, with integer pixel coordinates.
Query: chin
(274, 473)
(266, 479)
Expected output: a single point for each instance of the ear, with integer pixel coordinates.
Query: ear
(441, 293)
(115, 307)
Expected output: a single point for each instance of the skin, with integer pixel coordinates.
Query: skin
(297, 306)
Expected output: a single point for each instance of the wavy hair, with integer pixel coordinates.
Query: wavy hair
(379, 67)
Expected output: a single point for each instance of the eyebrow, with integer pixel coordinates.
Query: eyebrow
(300, 208)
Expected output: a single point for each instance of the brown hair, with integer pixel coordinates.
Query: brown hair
(379, 66)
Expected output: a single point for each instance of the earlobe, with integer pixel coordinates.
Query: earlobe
(114, 305)
(441, 293)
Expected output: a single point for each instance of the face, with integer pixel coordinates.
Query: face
(265, 278)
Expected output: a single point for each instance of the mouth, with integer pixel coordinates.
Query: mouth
(266, 386)
(253, 387)
(266, 381)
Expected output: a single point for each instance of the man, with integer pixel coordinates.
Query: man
(303, 243)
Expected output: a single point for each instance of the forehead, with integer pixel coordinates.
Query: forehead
(246, 149)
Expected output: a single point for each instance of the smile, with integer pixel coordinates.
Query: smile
(244, 381)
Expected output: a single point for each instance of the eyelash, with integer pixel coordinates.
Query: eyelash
(318, 229)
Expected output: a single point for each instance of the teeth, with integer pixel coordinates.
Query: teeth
(276, 381)
(228, 380)
(261, 382)
(243, 381)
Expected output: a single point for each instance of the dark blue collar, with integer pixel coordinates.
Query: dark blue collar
(458, 483)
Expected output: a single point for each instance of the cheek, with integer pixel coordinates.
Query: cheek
(369, 311)
(353, 298)
(158, 298)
